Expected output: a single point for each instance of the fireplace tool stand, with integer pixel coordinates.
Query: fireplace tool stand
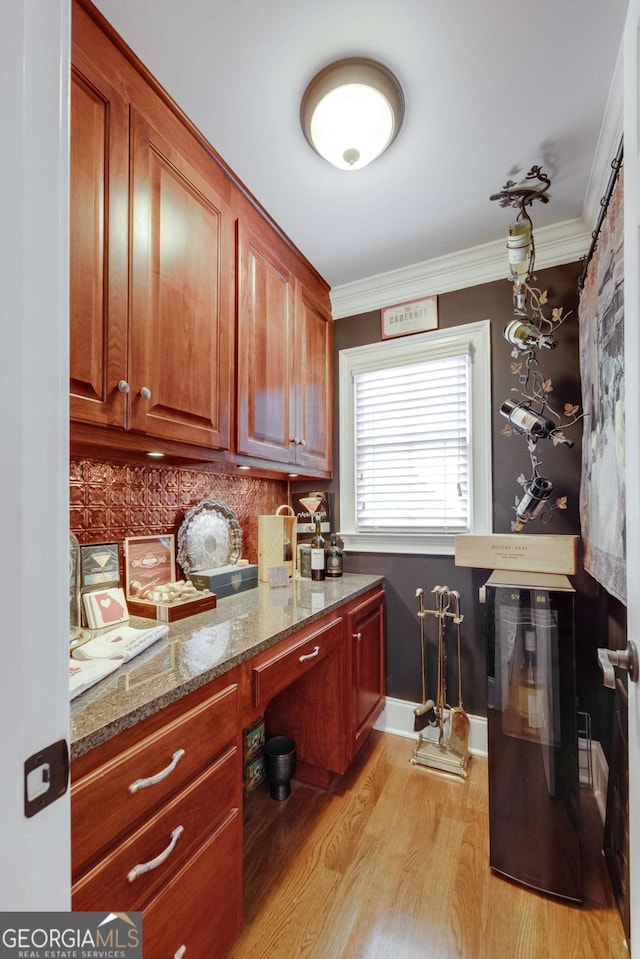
(444, 743)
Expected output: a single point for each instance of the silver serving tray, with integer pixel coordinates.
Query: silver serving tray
(210, 536)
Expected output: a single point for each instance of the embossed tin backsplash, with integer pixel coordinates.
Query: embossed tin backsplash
(110, 501)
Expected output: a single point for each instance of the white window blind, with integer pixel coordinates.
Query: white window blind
(415, 441)
(412, 446)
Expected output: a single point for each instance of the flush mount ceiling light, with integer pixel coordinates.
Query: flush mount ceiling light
(352, 111)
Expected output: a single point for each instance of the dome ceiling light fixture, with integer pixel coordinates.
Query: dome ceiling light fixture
(351, 112)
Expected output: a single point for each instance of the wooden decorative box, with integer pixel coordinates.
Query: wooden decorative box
(170, 612)
(536, 554)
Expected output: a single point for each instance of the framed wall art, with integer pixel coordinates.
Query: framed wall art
(414, 316)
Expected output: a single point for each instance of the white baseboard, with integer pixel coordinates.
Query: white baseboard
(397, 718)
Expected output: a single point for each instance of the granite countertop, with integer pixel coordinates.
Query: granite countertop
(200, 648)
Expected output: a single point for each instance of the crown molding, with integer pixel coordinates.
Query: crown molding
(560, 243)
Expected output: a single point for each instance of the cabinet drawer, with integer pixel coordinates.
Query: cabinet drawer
(277, 668)
(168, 838)
(198, 914)
(116, 795)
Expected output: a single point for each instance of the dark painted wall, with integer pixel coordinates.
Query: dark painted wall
(404, 573)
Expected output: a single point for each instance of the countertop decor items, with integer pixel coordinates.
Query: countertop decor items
(201, 648)
(210, 536)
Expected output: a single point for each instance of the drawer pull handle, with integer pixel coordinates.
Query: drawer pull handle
(152, 780)
(316, 650)
(180, 953)
(143, 867)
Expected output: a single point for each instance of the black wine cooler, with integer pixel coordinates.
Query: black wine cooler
(534, 788)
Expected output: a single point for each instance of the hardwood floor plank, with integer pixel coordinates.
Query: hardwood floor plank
(395, 863)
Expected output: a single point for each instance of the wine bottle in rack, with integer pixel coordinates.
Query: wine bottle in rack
(537, 492)
(526, 337)
(528, 421)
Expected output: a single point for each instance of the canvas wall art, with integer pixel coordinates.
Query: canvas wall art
(602, 489)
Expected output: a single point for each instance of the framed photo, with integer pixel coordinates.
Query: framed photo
(305, 505)
(99, 565)
(148, 561)
(414, 316)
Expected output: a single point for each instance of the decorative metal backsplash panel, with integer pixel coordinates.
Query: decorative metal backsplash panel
(110, 501)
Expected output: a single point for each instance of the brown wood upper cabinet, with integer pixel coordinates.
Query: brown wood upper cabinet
(284, 359)
(151, 320)
(158, 295)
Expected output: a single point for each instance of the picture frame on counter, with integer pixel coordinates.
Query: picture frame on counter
(99, 565)
(412, 316)
(148, 561)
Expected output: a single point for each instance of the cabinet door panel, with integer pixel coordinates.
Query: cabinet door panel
(366, 626)
(265, 323)
(313, 383)
(98, 246)
(181, 296)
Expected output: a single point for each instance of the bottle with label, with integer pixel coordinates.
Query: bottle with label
(519, 248)
(317, 553)
(524, 336)
(530, 698)
(333, 559)
(537, 492)
(527, 421)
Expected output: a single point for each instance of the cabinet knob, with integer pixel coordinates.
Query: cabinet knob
(123, 386)
(357, 636)
(302, 442)
(180, 953)
(145, 392)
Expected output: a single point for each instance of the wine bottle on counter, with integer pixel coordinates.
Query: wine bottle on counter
(526, 337)
(532, 503)
(527, 421)
(333, 559)
(317, 553)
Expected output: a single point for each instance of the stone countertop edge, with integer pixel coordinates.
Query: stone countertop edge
(169, 669)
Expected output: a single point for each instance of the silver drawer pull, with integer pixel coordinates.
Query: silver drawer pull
(180, 953)
(316, 650)
(152, 780)
(154, 863)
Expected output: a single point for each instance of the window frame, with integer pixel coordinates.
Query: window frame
(471, 338)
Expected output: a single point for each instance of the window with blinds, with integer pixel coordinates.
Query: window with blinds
(415, 441)
(412, 446)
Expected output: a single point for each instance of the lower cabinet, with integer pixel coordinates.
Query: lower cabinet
(157, 810)
(157, 826)
(198, 914)
(367, 682)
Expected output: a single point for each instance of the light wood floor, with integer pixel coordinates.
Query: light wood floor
(395, 864)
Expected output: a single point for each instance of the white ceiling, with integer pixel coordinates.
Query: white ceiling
(490, 87)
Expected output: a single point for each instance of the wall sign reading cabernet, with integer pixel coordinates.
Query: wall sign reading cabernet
(414, 316)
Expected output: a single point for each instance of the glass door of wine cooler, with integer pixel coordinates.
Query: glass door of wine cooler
(534, 789)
